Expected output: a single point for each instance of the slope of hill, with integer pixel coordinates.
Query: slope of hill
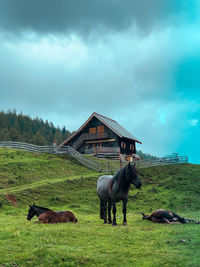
(176, 186)
(59, 182)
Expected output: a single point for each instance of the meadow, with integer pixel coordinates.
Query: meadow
(60, 183)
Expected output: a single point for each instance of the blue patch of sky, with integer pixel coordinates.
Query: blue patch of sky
(188, 77)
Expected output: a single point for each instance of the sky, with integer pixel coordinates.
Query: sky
(134, 61)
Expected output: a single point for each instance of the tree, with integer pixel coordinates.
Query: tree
(14, 134)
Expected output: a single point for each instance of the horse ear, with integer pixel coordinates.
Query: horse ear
(134, 164)
(129, 164)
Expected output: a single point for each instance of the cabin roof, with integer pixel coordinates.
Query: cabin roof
(116, 127)
(111, 124)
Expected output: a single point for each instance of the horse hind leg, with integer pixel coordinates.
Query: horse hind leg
(101, 209)
(104, 208)
(109, 212)
(105, 212)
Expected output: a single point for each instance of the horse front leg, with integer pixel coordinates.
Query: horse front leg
(109, 212)
(43, 219)
(124, 211)
(114, 213)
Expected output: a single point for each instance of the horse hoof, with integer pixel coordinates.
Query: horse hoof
(124, 223)
(114, 224)
(105, 223)
(110, 222)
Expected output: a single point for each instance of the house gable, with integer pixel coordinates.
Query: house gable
(109, 123)
(102, 134)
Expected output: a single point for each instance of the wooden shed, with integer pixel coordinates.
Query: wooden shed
(102, 136)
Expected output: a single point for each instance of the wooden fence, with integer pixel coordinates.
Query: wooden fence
(28, 147)
(99, 165)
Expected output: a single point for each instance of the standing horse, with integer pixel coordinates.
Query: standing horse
(112, 189)
(49, 216)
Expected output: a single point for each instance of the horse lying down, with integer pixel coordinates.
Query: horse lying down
(166, 216)
(46, 215)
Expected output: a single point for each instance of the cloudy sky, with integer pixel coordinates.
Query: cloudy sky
(135, 61)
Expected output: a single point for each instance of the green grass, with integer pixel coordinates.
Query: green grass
(20, 167)
(60, 183)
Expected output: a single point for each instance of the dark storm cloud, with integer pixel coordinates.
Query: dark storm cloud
(83, 16)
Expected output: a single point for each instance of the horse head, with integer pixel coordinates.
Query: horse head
(132, 175)
(145, 217)
(31, 212)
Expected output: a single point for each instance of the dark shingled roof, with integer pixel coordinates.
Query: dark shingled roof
(116, 127)
(111, 124)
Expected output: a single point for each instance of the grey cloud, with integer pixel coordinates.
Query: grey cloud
(84, 17)
(105, 80)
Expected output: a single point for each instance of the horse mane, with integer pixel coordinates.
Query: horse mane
(40, 207)
(116, 177)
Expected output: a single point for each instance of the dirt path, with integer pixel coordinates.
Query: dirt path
(43, 182)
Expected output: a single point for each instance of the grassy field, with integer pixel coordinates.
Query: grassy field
(60, 183)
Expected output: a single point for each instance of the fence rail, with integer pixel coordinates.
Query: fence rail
(27, 147)
(97, 165)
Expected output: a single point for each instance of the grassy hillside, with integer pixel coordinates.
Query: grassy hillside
(58, 182)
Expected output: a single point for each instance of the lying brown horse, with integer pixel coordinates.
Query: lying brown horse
(165, 216)
(49, 216)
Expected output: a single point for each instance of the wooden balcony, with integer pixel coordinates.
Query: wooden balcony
(95, 136)
(97, 150)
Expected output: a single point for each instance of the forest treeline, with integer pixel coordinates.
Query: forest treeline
(22, 128)
(145, 155)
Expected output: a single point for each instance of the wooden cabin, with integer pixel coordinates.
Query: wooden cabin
(104, 137)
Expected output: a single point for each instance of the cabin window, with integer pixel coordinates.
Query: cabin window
(100, 129)
(92, 130)
(132, 147)
(123, 145)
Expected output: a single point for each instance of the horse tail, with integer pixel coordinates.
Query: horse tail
(101, 209)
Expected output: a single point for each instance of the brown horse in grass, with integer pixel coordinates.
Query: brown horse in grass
(164, 216)
(46, 215)
(167, 216)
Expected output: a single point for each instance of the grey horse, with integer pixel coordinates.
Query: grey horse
(112, 189)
